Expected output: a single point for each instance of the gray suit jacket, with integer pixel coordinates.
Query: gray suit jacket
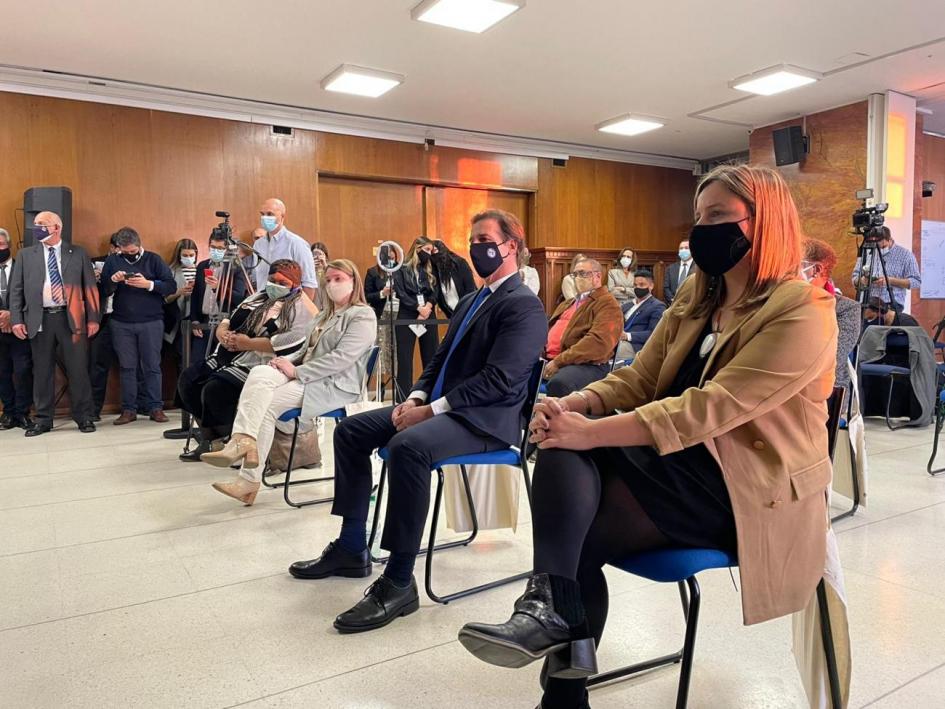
(78, 279)
(334, 366)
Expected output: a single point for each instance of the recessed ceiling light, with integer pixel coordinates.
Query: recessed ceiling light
(468, 15)
(357, 80)
(775, 79)
(630, 124)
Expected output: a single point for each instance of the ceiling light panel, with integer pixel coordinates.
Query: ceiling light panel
(468, 15)
(360, 81)
(630, 124)
(775, 80)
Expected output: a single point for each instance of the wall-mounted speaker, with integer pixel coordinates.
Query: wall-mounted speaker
(47, 199)
(790, 145)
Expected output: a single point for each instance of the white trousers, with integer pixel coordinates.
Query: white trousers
(267, 394)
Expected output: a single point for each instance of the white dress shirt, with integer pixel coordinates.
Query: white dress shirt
(285, 244)
(441, 405)
(5, 267)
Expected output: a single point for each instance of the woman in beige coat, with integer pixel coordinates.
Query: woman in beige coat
(722, 443)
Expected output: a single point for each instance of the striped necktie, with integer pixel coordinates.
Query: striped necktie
(55, 279)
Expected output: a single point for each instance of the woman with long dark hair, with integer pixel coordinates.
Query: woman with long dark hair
(417, 290)
(183, 265)
(275, 322)
(454, 276)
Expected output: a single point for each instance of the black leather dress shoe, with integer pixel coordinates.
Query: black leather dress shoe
(534, 631)
(193, 456)
(37, 429)
(383, 603)
(24, 422)
(334, 561)
(7, 422)
(87, 426)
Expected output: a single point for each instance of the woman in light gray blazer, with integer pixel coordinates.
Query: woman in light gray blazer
(330, 376)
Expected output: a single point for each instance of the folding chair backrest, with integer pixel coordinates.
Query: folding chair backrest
(534, 385)
(897, 339)
(371, 364)
(834, 411)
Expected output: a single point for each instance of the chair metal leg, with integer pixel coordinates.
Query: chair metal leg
(889, 424)
(691, 597)
(423, 551)
(833, 676)
(939, 422)
(431, 547)
(289, 482)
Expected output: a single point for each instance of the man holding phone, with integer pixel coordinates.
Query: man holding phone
(139, 282)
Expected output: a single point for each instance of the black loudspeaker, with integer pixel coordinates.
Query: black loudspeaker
(790, 145)
(47, 199)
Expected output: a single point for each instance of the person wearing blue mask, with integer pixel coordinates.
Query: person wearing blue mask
(208, 298)
(280, 243)
(898, 272)
(678, 272)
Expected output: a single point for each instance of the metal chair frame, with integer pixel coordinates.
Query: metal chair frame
(337, 415)
(432, 546)
(939, 423)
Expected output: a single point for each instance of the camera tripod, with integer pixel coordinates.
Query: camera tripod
(872, 266)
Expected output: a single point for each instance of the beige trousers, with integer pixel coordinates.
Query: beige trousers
(267, 394)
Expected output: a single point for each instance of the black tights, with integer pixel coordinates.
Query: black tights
(584, 517)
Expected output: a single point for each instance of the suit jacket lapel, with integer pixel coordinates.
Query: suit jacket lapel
(489, 302)
(65, 252)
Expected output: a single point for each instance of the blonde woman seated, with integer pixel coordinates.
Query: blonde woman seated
(330, 376)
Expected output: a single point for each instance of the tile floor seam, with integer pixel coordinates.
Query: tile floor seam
(342, 674)
(890, 517)
(141, 603)
(903, 685)
(100, 497)
(142, 534)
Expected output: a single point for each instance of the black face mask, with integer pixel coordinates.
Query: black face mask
(132, 258)
(641, 293)
(486, 257)
(4, 255)
(716, 248)
(424, 257)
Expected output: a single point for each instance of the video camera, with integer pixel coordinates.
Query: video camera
(223, 230)
(869, 219)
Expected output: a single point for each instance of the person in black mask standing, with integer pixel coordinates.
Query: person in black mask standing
(453, 275)
(721, 443)
(417, 290)
(468, 399)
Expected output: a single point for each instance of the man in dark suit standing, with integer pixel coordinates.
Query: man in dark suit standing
(640, 316)
(16, 362)
(468, 400)
(54, 303)
(678, 272)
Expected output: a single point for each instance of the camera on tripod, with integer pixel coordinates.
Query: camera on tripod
(223, 230)
(869, 219)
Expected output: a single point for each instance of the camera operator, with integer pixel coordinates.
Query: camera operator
(139, 281)
(877, 312)
(901, 271)
(208, 298)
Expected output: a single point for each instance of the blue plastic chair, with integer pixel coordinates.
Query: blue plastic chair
(680, 566)
(509, 456)
(895, 340)
(294, 416)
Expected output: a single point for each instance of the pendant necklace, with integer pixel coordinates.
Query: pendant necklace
(708, 344)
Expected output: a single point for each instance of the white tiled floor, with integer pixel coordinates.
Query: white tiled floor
(126, 581)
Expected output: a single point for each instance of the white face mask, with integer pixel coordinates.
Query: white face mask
(626, 261)
(340, 291)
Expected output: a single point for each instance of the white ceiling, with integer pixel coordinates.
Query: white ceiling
(551, 71)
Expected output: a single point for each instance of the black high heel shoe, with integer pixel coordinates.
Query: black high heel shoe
(534, 632)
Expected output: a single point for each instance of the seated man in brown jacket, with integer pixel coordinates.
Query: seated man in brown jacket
(583, 333)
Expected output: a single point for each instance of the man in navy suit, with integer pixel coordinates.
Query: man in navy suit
(468, 400)
(640, 315)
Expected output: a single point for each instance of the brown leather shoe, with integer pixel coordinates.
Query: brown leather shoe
(126, 417)
(158, 415)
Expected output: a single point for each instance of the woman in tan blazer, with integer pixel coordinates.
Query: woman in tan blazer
(721, 442)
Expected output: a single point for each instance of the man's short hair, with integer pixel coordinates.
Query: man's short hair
(886, 234)
(126, 236)
(113, 240)
(643, 273)
(5, 234)
(876, 304)
(595, 264)
(509, 225)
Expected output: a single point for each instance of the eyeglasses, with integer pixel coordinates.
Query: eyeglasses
(583, 274)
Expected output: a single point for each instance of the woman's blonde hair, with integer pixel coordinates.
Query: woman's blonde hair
(413, 260)
(775, 254)
(357, 293)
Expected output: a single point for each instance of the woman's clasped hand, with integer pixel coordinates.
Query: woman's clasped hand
(554, 426)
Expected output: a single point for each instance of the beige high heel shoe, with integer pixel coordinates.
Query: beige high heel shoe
(240, 447)
(240, 489)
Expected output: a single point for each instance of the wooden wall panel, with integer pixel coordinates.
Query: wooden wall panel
(930, 165)
(354, 215)
(612, 205)
(823, 185)
(410, 162)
